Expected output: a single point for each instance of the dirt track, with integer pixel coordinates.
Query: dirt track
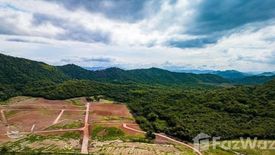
(163, 136)
(58, 117)
(3, 117)
(85, 142)
(35, 119)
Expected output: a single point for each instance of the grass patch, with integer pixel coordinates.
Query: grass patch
(14, 100)
(24, 145)
(10, 113)
(110, 118)
(106, 133)
(106, 101)
(71, 135)
(72, 125)
(76, 102)
(112, 133)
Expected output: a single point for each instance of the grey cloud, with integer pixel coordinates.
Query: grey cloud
(193, 43)
(130, 10)
(268, 59)
(217, 15)
(97, 60)
(88, 60)
(73, 31)
(25, 41)
(8, 28)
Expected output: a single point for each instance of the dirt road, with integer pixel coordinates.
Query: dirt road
(25, 109)
(163, 136)
(3, 117)
(85, 142)
(58, 117)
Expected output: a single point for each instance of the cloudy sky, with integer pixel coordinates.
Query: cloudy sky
(179, 34)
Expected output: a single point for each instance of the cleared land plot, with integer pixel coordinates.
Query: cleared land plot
(107, 109)
(3, 131)
(58, 127)
(104, 132)
(26, 113)
(24, 120)
(112, 115)
(134, 148)
(69, 120)
(108, 136)
(59, 142)
(28, 103)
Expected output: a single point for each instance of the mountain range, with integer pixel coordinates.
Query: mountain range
(21, 71)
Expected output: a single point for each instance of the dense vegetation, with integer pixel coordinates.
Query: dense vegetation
(225, 112)
(180, 109)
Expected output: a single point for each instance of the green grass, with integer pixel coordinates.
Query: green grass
(14, 100)
(76, 102)
(72, 125)
(71, 135)
(106, 133)
(10, 113)
(112, 133)
(22, 145)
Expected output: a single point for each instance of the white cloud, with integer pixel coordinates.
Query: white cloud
(158, 28)
(21, 23)
(135, 44)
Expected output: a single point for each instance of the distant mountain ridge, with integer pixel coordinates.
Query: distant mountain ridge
(225, 73)
(267, 74)
(146, 76)
(21, 71)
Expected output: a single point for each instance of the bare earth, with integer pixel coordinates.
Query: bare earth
(37, 116)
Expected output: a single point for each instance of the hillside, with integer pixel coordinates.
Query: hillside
(21, 71)
(18, 71)
(230, 74)
(145, 76)
(162, 106)
(252, 80)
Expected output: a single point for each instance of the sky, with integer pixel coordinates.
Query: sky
(169, 34)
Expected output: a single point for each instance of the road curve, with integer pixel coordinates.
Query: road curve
(168, 138)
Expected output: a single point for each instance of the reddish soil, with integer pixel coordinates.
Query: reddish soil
(161, 140)
(72, 115)
(4, 138)
(41, 103)
(110, 109)
(23, 114)
(3, 131)
(25, 119)
(56, 133)
(112, 115)
(135, 126)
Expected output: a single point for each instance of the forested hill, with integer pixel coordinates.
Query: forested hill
(17, 70)
(146, 76)
(180, 111)
(21, 71)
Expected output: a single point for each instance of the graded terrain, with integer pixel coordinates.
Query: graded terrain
(76, 126)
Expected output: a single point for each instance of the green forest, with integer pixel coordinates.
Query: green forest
(181, 105)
